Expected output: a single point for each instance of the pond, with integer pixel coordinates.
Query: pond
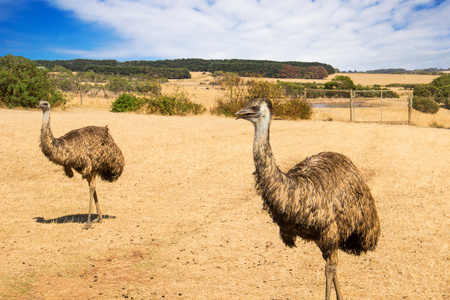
(337, 105)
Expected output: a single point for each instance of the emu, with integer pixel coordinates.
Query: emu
(90, 151)
(322, 199)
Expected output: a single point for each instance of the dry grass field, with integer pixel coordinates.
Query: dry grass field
(184, 222)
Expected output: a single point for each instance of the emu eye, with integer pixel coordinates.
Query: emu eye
(255, 108)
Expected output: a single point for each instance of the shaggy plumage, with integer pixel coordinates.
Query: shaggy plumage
(90, 151)
(322, 199)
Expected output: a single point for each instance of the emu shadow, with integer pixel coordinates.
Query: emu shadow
(78, 218)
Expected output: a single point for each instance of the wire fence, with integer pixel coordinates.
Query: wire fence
(104, 86)
(384, 106)
(363, 105)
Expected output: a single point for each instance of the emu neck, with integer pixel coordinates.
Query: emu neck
(46, 134)
(267, 172)
(46, 117)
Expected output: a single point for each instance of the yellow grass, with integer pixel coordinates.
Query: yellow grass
(183, 221)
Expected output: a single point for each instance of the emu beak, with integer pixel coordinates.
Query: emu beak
(238, 115)
(243, 112)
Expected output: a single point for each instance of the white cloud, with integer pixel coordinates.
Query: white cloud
(348, 34)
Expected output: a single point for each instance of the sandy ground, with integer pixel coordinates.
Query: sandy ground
(184, 222)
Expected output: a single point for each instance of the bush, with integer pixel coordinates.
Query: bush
(23, 84)
(292, 109)
(118, 85)
(446, 103)
(228, 107)
(147, 87)
(443, 95)
(425, 105)
(65, 84)
(126, 102)
(176, 104)
(340, 82)
(438, 89)
(291, 89)
(263, 90)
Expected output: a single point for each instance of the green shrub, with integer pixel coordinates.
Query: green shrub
(228, 107)
(291, 89)
(147, 87)
(425, 105)
(263, 90)
(118, 85)
(443, 95)
(126, 102)
(177, 104)
(65, 84)
(446, 103)
(23, 84)
(292, 109)
(340, 82)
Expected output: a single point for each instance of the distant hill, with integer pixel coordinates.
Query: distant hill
(244, 67)
(428, 71)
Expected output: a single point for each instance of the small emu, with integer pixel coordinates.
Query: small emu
(322, 199)
(90, 151)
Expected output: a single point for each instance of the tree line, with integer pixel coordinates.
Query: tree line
(428, 71)
(172, 73)
(180, 68)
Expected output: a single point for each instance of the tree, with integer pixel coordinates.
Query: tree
(232, 84)
(288, 71)
(316, 72)
(442, 85)
(340, 82)
(438, 90)
(23, 84)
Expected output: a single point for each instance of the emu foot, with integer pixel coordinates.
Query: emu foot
(88, 225)
(98, 219)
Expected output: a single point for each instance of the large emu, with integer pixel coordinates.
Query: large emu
(322, 199)
(90, 151)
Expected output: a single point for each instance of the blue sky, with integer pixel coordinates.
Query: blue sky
(348, 34)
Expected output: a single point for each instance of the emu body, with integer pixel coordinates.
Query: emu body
(322, 199)
(90, 151)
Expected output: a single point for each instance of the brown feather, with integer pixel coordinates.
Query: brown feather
(322, 199)
(89, 151)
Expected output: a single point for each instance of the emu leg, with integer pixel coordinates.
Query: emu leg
(97, 205)
(329, 281)
(331, 276)
(93, 198)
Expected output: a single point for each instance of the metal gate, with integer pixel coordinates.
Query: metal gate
(382, 106)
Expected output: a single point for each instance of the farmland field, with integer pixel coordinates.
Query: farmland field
(184, 222)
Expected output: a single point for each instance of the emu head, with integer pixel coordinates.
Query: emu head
(44, 105)
(256, 111)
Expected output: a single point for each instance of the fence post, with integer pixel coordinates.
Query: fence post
(351, 105)
(381, 107)
(410, 100)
